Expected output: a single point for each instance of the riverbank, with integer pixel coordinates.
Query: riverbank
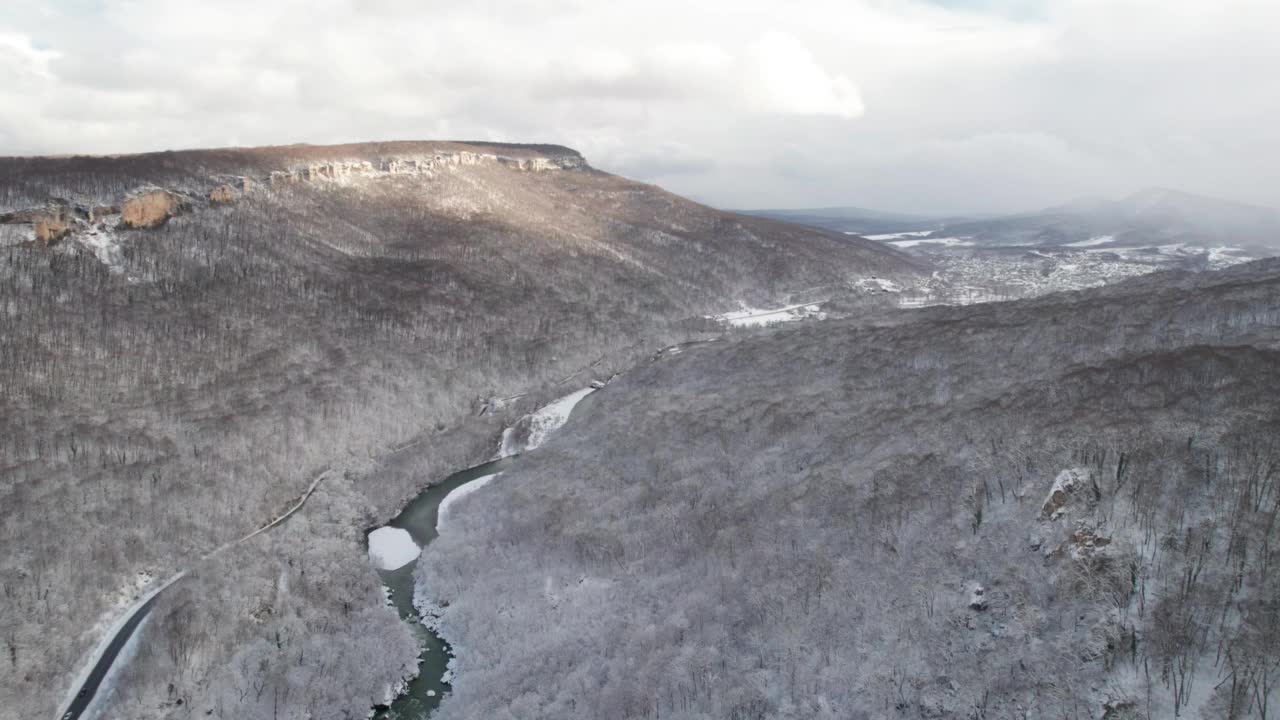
(394, 550)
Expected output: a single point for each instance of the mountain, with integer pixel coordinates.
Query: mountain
(1060, 507)
(1151, 217)
(190, 338)
(853, 220)
(1146, 218)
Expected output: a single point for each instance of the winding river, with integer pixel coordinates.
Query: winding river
(425, 691)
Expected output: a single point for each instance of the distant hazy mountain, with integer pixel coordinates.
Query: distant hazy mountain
(1151, 217)
(849, 219)
(1155, 216)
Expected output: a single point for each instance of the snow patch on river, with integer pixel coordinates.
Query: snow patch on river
(442, 512)
(391, 548)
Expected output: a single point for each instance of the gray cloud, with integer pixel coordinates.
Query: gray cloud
(940, 106)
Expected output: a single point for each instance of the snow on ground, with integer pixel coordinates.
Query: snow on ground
(946, 241)
(967, 276)
(897, 236)
(391, 547)
(755, 317)
(1064, 486)
(106, 246)
(1216, 257)
(551, 416)
(1225, 255)
(541, 422)
(874, 284)
(16, 234)
(442, 512)
(1096, 240)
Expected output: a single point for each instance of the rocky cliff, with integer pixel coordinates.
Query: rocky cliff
(59, 202)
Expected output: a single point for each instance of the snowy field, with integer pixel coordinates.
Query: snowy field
(943, 241)
(757, 317)
(897, 236)
(1093, 241)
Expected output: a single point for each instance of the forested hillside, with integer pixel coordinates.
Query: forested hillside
(187, 339)
(1066, 507)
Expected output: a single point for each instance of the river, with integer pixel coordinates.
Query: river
(419, 518)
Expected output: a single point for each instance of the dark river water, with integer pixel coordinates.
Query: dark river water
(419, 518)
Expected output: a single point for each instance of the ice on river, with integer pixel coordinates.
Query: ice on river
(391, 548)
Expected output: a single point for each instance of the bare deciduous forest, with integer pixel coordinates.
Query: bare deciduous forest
(166, 389)
(1053, 509)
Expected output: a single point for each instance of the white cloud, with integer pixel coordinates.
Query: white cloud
(902, 103)
(20, 61)
(791, 81)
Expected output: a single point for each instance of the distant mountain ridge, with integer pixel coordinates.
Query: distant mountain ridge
(1148, 217)
(1152, 216)
(852, 219)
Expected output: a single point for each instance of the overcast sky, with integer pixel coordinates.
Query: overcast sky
(938, 106)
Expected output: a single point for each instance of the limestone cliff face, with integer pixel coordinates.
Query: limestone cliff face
(419, 164)
(47, 225)
(52, 223)
(53, 226)
(150, 208)
(225, 177)
(222, 194)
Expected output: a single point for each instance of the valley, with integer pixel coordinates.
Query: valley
(970, 410)
(240, 341)
(1013, 509)
(694, 464)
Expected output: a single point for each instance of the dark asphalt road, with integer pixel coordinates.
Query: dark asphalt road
(85, 694)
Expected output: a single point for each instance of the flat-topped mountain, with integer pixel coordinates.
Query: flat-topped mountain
(88, 178)
(190, 337)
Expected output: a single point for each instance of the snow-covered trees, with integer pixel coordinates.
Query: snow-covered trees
(785, 525)
(156, 411)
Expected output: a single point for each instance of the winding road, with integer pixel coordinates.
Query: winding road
(104, 655)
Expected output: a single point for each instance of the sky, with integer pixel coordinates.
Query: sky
(934, 107)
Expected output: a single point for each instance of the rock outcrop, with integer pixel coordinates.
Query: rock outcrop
(101, 212)
(53, 225)
(47, 225)
(418, 165)
(1064, 486)
(150, 208)
(222, 194)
